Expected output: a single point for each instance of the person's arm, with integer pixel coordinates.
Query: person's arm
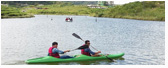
(55, 50)
(91, 52)
(88, 50)
(98, 52)
(66, 51)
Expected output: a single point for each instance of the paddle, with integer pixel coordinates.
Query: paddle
(81, 47)
(77, 36)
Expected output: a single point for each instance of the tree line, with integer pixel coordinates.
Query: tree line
(17, 3)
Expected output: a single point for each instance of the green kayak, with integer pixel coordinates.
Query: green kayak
(49, 59)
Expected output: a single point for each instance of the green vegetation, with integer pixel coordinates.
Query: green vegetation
(146, 10)
(11, 12)
(63, 9)
(18, 3)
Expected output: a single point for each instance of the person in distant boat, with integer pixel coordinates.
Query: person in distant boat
(54, 52)
(71, 19)
(67, 19)
(87, 51)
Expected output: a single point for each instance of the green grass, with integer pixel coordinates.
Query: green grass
(148, 10)
(12, 12)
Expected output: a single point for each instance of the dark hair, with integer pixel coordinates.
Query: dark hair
(87, 41)
(54, 43)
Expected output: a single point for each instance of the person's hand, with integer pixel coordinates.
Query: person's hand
(99, 52)
(67, 51)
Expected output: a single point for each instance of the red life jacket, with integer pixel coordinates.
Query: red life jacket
(66, 18)
(85, 53)
(56, 55)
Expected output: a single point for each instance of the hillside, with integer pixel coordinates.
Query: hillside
(147, 10)
(12, 12)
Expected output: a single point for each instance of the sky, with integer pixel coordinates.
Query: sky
(123, 1)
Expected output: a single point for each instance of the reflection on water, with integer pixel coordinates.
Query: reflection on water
(143, 42)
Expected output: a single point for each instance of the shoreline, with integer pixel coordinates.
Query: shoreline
(26, 16)
(31, 16)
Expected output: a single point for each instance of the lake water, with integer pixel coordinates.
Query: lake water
(143, 42)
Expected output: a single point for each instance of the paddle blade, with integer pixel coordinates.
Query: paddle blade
(83, 47)
(77, 36)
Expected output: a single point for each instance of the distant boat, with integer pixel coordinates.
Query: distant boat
(68, 19)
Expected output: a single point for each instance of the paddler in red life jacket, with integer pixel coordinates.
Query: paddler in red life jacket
(87, 50)
(54, 52)
(67, 19)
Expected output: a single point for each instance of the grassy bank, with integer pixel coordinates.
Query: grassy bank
(62, 10)
(148, 10)
(12, 12)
